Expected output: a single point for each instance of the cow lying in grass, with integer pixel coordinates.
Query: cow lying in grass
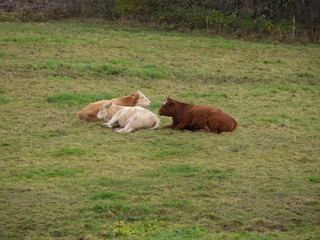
(89, 113)
(196, 118)
(127, 118)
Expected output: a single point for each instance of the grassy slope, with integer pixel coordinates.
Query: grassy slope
(63, 178)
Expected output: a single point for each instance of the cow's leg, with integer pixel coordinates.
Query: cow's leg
(132, 124)
(172, 126)
(180, 126)
(112, 122)
(213, 126)
(206, 128)
(127, 128)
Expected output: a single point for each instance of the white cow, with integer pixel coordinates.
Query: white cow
(128, 118)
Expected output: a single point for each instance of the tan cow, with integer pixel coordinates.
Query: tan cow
(89, 113)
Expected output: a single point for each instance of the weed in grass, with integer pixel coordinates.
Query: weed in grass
(53, 135)
(110, 69)
(314, 179)
(113, 207)
(184, 169)
(156, 229)
(51, 65)
(122, 62)
(56, 133)
(106, 195)
(113, 70)
(149, 71)
(60, 40)
(212, 174)
(5, 99)
(271, 61)
(65, 151)
(305, 75)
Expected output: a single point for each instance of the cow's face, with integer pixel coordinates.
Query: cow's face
(167, 108)
(104, 113)
(143, 101)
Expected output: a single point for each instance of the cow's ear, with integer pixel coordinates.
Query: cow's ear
(172, 103)
(134, 95)
(108, 104)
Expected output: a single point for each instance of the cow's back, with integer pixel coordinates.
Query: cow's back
(207, 118)
(197, 116)
(89, 113)
(124, 101)
(220, 121)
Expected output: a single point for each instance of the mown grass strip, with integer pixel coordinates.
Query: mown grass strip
(42, 173)
(204, 95)
(77, 99)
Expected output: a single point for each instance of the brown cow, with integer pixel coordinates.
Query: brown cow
(193, 117)
(89, 113)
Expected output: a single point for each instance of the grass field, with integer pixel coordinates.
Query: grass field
(66, 179)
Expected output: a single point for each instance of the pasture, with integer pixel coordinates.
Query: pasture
(62, 178)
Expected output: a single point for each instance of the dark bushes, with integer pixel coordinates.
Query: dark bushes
(271, 17)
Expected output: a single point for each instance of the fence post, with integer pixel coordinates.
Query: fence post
(293, 26)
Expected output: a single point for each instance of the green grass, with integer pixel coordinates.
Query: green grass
(69, 151)
(315, 179)
(78, 99)
(4, 100)
(33, 173)
(66, 179)
(106, 195)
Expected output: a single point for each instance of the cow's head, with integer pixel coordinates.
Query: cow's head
(142, 100)
(167, 108)
(104, 112)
